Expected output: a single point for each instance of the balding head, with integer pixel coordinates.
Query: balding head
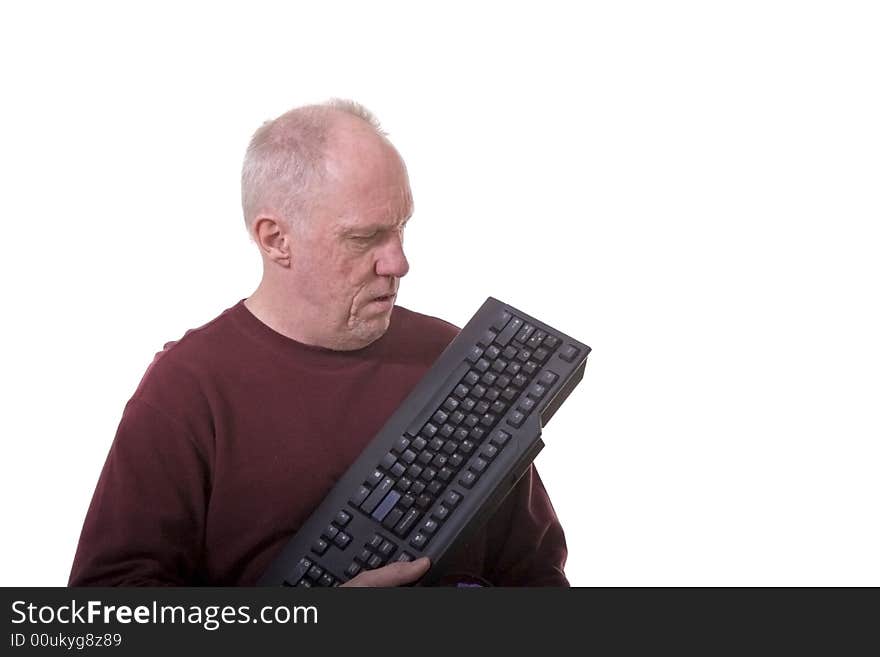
(289, 158)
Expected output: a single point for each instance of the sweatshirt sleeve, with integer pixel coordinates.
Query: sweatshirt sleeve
(145, 525)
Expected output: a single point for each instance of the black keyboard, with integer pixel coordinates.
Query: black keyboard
(446, 458)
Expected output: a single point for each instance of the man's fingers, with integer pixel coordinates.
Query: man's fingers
(394, 574)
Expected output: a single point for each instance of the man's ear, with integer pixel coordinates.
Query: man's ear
(273, 238)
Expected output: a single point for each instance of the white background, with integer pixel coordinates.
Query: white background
(691, 188)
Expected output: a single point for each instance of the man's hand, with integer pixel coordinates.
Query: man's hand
(394, 574)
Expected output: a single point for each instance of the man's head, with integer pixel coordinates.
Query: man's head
(326, 197)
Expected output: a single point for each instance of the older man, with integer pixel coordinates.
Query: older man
(239, 429)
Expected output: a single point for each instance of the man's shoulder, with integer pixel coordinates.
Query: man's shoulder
(190, 357)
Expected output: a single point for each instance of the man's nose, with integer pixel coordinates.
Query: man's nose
(391, 260)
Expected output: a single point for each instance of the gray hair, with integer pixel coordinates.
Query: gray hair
(286, 158)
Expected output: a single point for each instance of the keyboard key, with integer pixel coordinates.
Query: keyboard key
(489, 451)
(537, 391)
(525, 333)
(401, 445)
(478, 391)
(434, 488)
(392, 518)
(315, 573)
(471, 378)
(547, 378)
(481, 408)
(414, 471)
(376, 541)
(451, 499)
(397, 469)
(455, 419)
(408, 500)
(502, 382)
(488, 420)
(388, 460)
(408, 522)
(478, 465)
(425, 457)
(526, 405)
(430, 526)
(471, 420)
(426, 434)
(408, 456)
(551, 342)
(403, 484)
(424, 501)
(524, 355)
(404, 556)
(519, 381)
(461, 391)
(319, 546)
(467, 405)
(499, 365)
(374, 478)
(492, 352)
(342, 518)
(450, 446)
(482, 365)
(502, 320)
(326, 580)
(516, 419)
(468, 479)
(569, 353)
(498, 407)
(360, 496)
(489, 379)
(476, 434)
(436, 444)
(418, 444)
(387, 549)
(513, 368)
(330, 532)
(377, 495)
(386, 505)
(474, 354)
(536, 339)
(353, 569)
(455, 460)
(450, 404)
(513, 326)
(529, 368)
(440, 417)
(342, 540)
(374, 562)
(492, 394)
(509, 352)
(467, 446)
(445, 475)
(488, 336)
(419, 541)
(540, 355)
(509, 394)
(417, 487)
(499, 437)
(440, 513)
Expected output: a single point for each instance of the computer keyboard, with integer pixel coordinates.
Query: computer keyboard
(446, 458)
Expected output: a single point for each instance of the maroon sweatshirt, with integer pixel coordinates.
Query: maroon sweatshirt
(236, 433)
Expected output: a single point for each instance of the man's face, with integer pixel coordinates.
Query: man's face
(347, 256)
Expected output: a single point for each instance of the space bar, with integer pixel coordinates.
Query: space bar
(439, 397)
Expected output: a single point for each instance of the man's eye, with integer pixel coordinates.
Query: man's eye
(364, 238)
